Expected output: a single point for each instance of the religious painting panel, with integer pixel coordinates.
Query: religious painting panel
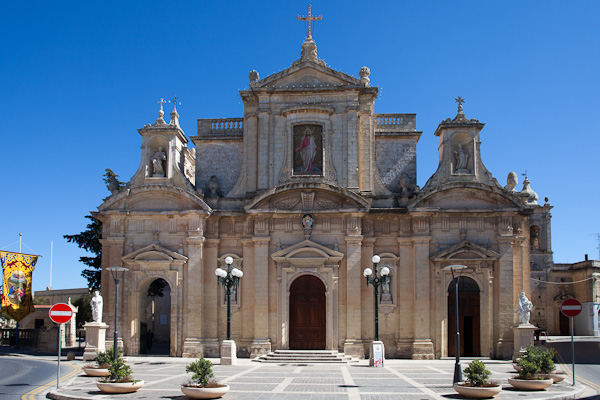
(308, 149)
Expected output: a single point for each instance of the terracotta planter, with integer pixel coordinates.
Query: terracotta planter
(205, 393)
(517, 367)
(127, 387)
(474, 392)
(92, 371)
(530, 384)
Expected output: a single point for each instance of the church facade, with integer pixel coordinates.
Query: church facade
(302, 192)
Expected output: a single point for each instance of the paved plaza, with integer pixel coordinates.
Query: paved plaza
(398, 380)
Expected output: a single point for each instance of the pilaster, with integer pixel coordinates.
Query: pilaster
(261, 344)
(353, 344)
(210, 298)
(422, 343)
(193, 276)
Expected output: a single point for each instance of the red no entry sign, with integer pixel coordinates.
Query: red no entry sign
(61, 313)
(570, 307)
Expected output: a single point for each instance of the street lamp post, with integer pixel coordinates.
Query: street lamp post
(457, 367)
(380, 277)
(117, 274)
(228, 279)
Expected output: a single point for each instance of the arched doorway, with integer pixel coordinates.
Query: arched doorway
(155, 318)
(468, 317)
(307, 314)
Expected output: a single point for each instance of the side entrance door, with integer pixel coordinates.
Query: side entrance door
(307, 314)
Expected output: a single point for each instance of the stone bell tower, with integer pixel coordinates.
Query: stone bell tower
(166, 159)
(460, 159)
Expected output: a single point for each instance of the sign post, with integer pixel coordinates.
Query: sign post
(571, 308)
(59, 314)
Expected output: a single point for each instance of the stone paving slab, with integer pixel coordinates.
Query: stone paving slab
(398, 380)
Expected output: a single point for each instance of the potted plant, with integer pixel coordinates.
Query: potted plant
(477, 385)
(201, 386)
(102, 363)
(119, 379)
(548, 368)
(530, 377)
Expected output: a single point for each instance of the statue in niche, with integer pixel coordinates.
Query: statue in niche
(213, 189)
(96, 304)
(462, 158)
(386, 295)
(524, 307)
(535, 237)
(158, 170)
(511, 182)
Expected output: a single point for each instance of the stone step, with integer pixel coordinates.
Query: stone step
(305, 356)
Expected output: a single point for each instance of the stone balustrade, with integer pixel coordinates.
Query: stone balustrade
(221, 127)
(395, 122)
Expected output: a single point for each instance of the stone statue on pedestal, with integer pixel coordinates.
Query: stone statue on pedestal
(96, 304)
(524, 308)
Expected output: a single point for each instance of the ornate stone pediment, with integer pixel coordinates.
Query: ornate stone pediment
(466, 251)
(153, 256)
(305, 198)
(465, 198)
(307, 253)
(155, 197)
(308, 75)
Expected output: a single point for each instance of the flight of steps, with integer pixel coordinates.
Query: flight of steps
(306, 357)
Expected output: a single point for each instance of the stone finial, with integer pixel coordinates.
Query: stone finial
(460, 115)
(174, 114)
(253, 77)
(532, 197)
(364, 76)
(511, 181)
(309, 50)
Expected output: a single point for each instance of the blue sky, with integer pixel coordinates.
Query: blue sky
(78, 78)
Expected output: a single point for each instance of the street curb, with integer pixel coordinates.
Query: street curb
(58, 396)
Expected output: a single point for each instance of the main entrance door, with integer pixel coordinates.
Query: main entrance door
(307, 314)
(468, 318)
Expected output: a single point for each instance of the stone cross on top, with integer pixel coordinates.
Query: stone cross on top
(309, 18)
(161, 102)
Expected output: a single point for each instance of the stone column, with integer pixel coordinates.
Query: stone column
(251, 150)
(422, 343)
(112, 251)
(505, 306)
(354, 278)
(406, 297)
(247, 308)
(263, 149)
(193, 300)
(261, 343)
(366, 150)
(352, 152)
(211, 299)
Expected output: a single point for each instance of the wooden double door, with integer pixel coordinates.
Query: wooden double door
(307, 314)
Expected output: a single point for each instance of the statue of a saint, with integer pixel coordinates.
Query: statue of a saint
(157, 163)
(511, 181)
(524, 308)
(462, 157)
(96, 304)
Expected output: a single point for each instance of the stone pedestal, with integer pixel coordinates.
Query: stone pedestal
(377, 355)
(354, 348)
(95, 338)
(228, 352)
(422, 350)
(523, 338)
(260, 347)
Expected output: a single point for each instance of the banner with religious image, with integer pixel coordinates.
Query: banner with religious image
(17, 270)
